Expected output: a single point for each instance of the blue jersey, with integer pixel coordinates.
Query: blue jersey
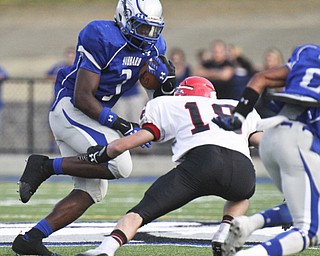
(102, 49)
(304, 77)
(303, 86)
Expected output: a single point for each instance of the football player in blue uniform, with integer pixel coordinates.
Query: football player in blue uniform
(290, 151)
(107, 63)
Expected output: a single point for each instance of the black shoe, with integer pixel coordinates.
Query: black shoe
(22, 246)
(34, 174)
(216, 249)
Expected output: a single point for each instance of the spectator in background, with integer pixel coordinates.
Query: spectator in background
(219, 70)
(244, 70)
(183, 69)
(272, 58)
(3, 76)
(69, 54)
(203, 56)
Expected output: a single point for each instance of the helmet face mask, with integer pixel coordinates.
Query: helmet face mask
(140, 22)
(196, 86)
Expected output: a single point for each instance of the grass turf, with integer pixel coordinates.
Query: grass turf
(121, 197)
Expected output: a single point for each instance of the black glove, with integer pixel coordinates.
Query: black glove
(229, 123)
(166, 74)
(127, 128)
(96, 154)
(285, 227)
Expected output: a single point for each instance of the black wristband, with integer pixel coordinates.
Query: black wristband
(247, 102)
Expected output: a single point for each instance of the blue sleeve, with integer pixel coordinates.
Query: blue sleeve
(92, 46)
(304, 77)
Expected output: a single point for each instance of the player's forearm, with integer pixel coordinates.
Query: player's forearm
(86, 86)
(118, 146)
(85, 101)
(270, 78)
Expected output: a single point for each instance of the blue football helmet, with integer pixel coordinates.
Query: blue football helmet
(140, 21)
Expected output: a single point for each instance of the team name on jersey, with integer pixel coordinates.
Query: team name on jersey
(131, 61)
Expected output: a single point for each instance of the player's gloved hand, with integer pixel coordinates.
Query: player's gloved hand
(112, 120)
(95, 154)
(229, 123)
(160, 67)
(285, 227)
(164, 70)
(127, 128)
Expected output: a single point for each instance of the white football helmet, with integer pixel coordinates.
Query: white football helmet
(140, 21)
(196, 86)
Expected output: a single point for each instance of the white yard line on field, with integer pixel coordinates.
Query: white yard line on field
(158, 232)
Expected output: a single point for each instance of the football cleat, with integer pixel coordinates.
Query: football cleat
(238, 234)
(34, 174)
(219, 238)
(23, 246)
(216, 248)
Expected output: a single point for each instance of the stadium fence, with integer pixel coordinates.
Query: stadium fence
(24, 122)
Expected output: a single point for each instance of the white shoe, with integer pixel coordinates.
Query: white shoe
(219, 238)
(222, 233)
(238, 234)
(94, 252)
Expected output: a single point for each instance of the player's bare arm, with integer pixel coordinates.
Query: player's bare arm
(255, 138)
(118, 146)
(101, 154)
(270, 78)
(86, 85)
(275, 77)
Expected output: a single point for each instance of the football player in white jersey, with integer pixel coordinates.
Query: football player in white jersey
(290, 151)
(210, 160)
(107, 63)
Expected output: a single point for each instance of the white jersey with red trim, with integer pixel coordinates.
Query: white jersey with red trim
(187, 120)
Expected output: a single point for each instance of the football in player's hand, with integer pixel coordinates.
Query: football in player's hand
(148, 80)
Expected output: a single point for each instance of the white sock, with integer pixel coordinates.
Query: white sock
(256, 222)
(109, 245)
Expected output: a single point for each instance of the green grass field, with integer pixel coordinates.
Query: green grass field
(121, 197)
